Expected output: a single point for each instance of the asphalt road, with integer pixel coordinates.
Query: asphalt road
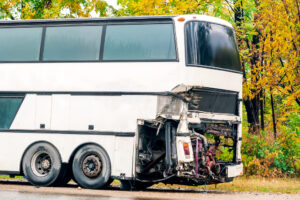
(20, 190)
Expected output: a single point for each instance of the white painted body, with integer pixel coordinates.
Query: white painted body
(62, 112)
(234, 170)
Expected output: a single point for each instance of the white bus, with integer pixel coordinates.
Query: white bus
(139, 99)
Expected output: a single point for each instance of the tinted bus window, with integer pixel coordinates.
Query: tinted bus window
(8, 109)
(210, 44)
(20, 44)
(77, 43)
(139, 42)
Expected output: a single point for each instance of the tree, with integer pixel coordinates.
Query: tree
(38, 9)
(274, 58)
(173, 7)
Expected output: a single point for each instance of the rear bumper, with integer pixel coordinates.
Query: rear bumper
(234, 170)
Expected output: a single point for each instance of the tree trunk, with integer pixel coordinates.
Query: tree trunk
(252, 109)
(238, 12)
(261, 103)
(273, 116)
(298, 101)
(252, 105)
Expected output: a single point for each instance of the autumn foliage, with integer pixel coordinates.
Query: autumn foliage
(268, 35)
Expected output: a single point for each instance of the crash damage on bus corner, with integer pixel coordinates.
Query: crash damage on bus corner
(187, 142)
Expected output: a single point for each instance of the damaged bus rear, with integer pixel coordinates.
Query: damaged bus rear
(196, 136)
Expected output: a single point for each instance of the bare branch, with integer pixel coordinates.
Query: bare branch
(230, 6)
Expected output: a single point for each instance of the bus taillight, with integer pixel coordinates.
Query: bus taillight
(186, 148)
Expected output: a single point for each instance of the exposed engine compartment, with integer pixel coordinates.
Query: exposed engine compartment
(158, 148)
(156, 151)
(194, 140)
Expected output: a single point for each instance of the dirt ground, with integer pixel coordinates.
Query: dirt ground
(17, 189)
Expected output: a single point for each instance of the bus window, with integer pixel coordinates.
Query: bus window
(211, 45)
(8, 109)
(139, 42)
(77, 43)
(20, 44)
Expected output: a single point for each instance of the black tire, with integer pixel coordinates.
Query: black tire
(65, 175)
(91, 167)
(41, 164)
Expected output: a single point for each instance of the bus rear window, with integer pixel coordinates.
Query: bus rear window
(211, 45)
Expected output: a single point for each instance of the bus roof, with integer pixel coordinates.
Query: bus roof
(161, 18)
(88, 20)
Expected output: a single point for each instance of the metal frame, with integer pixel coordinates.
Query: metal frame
(87, 132)
(13, 173)
(83, 20)
(42, 44)
(94, 93)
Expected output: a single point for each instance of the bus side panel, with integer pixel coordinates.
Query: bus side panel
(77, 113)
(119, 149)
(124, 156)
(60, 112)
(111, 113)
(42, 112)
(64, 121)
(79, 76)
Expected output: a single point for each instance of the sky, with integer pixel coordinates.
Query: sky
(112, 2)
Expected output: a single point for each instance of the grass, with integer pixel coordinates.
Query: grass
(8, 177)
(240, 184)
(251, 184)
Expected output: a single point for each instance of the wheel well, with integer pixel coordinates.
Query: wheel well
(36, 142)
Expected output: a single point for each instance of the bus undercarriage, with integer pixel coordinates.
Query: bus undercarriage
(184, 146)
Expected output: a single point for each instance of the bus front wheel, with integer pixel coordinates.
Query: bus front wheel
(42, 164)
(91, 167)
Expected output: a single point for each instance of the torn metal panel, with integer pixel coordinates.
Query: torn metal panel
(183, 126)
(181, 89)
(169, 105)
(208, 102)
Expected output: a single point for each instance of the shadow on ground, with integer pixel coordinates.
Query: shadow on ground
(117, 188)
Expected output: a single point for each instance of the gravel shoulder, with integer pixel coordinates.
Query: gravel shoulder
(20, 186)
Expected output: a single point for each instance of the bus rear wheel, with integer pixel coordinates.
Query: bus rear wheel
(42, 164)
(91, 167)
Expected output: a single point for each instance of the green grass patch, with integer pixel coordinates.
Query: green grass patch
(250, 184)
(8, 177)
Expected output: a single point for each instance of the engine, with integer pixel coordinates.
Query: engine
(158, 153)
